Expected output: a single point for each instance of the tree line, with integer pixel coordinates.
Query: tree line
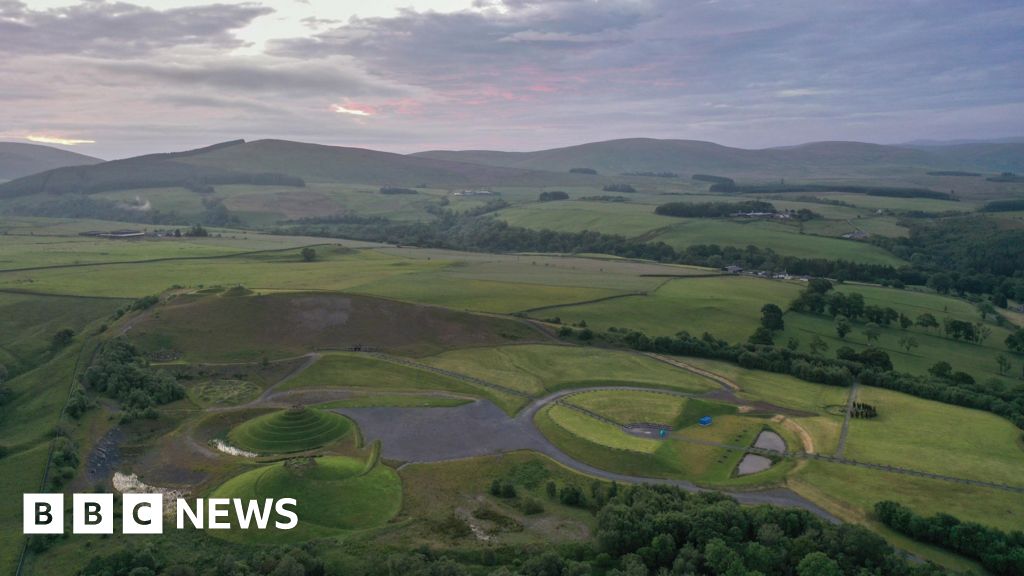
(1000, 553)
(641, 531)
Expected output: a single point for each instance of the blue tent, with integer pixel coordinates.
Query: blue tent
(705, 421)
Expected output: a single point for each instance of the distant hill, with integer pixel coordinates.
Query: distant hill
(315, 162)
(272, 162)
(614, 157)
(150, 171)
(18, 160)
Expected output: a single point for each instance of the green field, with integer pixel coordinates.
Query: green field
(335, 497)
(629, 407)
(535, 369)
(352, 370)
(625, 218)
(727, 306)
(598, 432)
(610, 448)
(292, 430)
(782, 238)
(936, 437)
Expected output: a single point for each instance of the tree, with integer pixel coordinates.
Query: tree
(818, 564)
(308, 254)
(818, 345)
(872, 331)
(941, 370)
(986, 309)
(908, 343)
(762, 336)
(842, 326)
(905, 321)
(927, 321)
(941, 282)
(793, 344)
(1003, 363)
(1015, 341)
(771, 317)
(61, 339)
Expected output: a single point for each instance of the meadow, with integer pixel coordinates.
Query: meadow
(536, 369)
(413, 303)
(727, 306)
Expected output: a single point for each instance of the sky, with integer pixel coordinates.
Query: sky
(116, 79)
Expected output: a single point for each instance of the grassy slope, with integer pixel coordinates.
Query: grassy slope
(365, 372)
(226, 328)
(728, 306)
(290, 431)
(938, 438)
(535, 369)
(28, 323)
(369, 500)
(976, 359)
(626, 407)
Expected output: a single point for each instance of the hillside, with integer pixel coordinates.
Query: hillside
(150, 171)
(690, 156)
(18, 160)
(319, 163)
(275, 163)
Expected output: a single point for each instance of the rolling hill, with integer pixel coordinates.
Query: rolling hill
(691, 156)
(319, 163)
(275, 163)
(18, 160)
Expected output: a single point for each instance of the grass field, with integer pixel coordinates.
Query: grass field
(937, 437)
(976, 359)
(282, 324)
(335, 496)
(292, 430)
(396, 401)
(335, 269)
(629, 407)
(223, 392)
(727, 306)
(352, 370)
(608, 447)
(856, 490)
(453, 291)
(783, 239)
(624, 218)
(28, 323)
(593, 430)
(536, 369)
(22, 473)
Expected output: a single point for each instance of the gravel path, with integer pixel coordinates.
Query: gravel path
(841, 449)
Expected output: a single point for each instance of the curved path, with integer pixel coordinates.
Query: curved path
(422, 435)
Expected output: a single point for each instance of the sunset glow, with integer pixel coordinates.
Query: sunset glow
(43, 139)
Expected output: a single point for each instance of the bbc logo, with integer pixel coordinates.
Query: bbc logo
(92, 514)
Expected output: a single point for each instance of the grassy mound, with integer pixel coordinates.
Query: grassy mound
(335, 495)
(292, 430)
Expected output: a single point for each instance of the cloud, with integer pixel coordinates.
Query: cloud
(521, 74)
(118, 29)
